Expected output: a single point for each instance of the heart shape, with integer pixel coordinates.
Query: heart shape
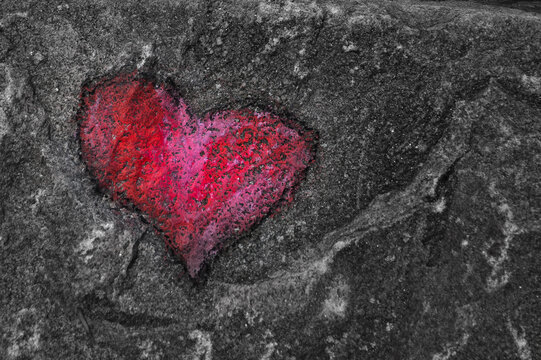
(201, 181)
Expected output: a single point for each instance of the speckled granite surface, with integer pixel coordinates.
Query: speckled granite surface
(416, 234)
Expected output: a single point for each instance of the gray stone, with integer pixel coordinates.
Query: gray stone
(415, 235)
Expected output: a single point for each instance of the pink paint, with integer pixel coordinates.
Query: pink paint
(202, 181)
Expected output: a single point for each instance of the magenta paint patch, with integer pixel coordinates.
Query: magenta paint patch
(201, 181)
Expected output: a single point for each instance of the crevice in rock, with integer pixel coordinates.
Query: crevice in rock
(99, 309)
(436, 222)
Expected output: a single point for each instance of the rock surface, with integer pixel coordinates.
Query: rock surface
(416, 234)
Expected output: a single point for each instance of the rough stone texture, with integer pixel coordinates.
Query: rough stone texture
(526, 5)
(415, 235)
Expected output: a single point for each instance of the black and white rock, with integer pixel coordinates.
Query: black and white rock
(416, 235)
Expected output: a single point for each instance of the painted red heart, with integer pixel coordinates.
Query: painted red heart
(201, 181)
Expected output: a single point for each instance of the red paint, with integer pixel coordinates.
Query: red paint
(202, 181)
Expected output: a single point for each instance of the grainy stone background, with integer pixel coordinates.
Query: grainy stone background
(416, 234)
